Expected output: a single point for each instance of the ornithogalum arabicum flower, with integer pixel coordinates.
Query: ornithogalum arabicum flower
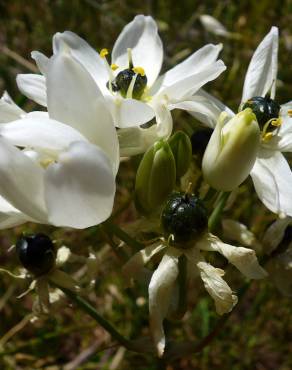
(130, 82)
(59, 167)
(184, 220)
(271, 173)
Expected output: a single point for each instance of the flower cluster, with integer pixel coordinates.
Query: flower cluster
(58, 166)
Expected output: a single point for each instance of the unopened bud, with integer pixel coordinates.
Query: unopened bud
(155, 177)
(181, 148)
(232, 150)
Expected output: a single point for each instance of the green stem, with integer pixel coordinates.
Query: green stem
(86, 306)
(215, 217)
(122, 235)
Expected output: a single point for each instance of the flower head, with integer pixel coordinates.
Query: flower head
(59, 167)
(130, 81)
(188, 215)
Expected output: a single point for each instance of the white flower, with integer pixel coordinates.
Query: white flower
(271, 173)
(64, 173)
(162, 284)
(138, 49)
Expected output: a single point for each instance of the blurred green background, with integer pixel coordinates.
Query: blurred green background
(257, 334)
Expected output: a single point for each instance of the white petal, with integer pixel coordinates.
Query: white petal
(217, 287)
(80, 188)
(275, 233)
(129, 112)
(41, 61)
(84, 54)
(262, 71)
(136, 263)
(272, 179)
(84, 107)
(39, 133)
(191, 84)
(140, 35)
(163, 120)
(204, 107)
(9, 111)
(21, 181)
(194, 64)
(33, 86)
(9, 215)
(242, 258)
(160, 292)
(7, 221)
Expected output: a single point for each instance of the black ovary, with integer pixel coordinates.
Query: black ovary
(36, 253)
(185, 217)
(264, 108)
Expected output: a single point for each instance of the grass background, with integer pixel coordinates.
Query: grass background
(257, 334)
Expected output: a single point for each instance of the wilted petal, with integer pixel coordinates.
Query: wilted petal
(84, 54)
(141, 36)
(217, 287)
(194, 64)
(21, 182)
(63, 255)
(242, 258)
(272, 179)
(160, 292)
(136, 263)
(33, 86)
(262, 71)
(80, 187)
(9, 111)
(275, 234)
(280, 269)
(237, 231)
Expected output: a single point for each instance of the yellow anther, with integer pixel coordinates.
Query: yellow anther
(46, 162)
(139, 70)
(114, 66)
(268, 136)
(276, 122)
(289, 112)
(103, 53)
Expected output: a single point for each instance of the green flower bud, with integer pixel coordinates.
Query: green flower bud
(181, 148)
(232, 150)
(155, 177)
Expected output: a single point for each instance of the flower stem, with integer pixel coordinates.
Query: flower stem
(215, 217)
(122, 235)
(90, 310)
